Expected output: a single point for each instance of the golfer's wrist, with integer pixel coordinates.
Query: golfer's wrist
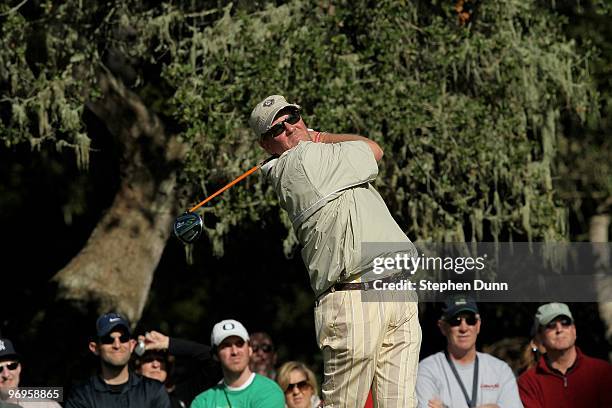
(315, 135)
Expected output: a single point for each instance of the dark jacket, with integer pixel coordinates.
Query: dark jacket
(196, 370)
(137, 392)
(587, 383)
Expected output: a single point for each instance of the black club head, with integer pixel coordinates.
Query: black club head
(188, 227)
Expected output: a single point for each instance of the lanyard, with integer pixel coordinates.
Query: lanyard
(471, 402)
(226, 397)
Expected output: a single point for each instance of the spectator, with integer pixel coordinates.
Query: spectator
(263, 360)
(10, 376)
(116, 385)
(240, 387)
(158, 365)
(299, 384)
(564, 376)
(158, 362)
(510, 350)
(531, 354)
(460, 375)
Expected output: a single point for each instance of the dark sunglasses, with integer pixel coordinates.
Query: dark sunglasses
(302, 386)
(279, 128)
(108, 339)
(456, 320)
(10, 366)
(565, 322)
(266, 348)
(152, 358)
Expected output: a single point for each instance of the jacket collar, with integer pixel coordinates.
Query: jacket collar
(102, 386)
(545, 366)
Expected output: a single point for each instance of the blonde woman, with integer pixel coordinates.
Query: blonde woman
(299, 384)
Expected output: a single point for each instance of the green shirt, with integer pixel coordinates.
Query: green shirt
(258, 392)
(339, 218)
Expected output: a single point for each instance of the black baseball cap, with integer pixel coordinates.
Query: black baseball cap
(107, 322)
(458, 304)
(7, 351)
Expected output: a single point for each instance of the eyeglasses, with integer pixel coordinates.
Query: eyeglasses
(455, 321)
(565, 322)
(266, 348)
(108, 339)
(9, 366)
(279, 128)
(302, 386)
(152, 358)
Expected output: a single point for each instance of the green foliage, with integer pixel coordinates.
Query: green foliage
(468, 115)
(46, 69)
(585, 176)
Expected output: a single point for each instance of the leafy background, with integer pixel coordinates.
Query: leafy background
(494, 128)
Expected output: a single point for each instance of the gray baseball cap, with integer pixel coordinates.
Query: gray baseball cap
(546, 313)
(264, 112)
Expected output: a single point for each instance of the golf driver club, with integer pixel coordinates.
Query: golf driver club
(188, 226)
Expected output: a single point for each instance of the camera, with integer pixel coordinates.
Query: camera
(140, 348)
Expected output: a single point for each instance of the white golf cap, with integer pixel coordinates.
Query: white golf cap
(227, 328)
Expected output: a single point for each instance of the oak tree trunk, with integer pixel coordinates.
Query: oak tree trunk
(115, 267)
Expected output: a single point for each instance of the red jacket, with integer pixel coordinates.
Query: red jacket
(588, 383)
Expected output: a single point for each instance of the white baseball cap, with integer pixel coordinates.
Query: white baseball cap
(226, 328)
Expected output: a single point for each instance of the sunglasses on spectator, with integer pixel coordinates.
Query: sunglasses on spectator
(302, 386)
(455, 321)
(9, 366)
(150, 359)
(565, 322)
(108, 339)
(266, 348)
(279, 128)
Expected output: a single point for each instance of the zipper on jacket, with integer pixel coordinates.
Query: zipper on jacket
(564, 382)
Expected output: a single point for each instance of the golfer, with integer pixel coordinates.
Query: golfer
(369, 339)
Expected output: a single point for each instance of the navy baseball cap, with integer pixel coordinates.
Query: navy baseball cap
(107, 322)
(7, 351)
(458, 304)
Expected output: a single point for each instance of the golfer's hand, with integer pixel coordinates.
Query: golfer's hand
(435, 403)
(155, 340)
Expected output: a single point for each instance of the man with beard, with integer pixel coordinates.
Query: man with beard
(240, 387)
(116, 385)
(564, 376)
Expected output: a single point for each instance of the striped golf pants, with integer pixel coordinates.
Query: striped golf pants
(369, 340)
